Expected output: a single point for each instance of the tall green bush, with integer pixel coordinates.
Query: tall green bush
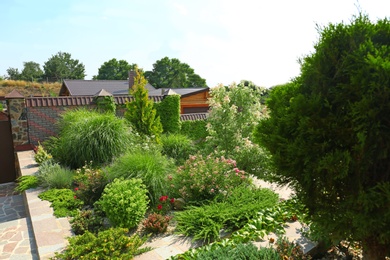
(141, 112)
(169, 112)
(329, 133)
(86, 136)
(195, 130)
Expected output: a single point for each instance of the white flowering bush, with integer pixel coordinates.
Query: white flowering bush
(234, 112)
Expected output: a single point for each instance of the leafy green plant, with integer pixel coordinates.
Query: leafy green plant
(156, 223)
(203, 178)
(105, 104)
(87, 220)
(124, 202)
(113, 243)
(53, 175)
(86, 136)
(41, 155)
(148, 165)
(177, 146)
(26, 182)
(63, 201)
(90, 183)
(232, 212)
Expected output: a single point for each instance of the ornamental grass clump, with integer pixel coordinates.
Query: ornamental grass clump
(148, 165)
(86, 136)
(125, 202)
(203, 178)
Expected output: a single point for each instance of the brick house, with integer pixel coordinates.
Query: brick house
(192, 100)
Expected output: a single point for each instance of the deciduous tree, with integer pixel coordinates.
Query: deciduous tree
(329, 133)
(61, 66)
(115, 70)
(171, 73)
(31, 71)
(13, 74)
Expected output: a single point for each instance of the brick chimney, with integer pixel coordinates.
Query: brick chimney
(131, 78)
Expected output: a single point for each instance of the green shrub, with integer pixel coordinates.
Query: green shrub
(90, 184)
(124, 202)
(26, 182)
(177, 146)
(41, 155)
(52, 175)
(149, 166)
(156, 223)
(230, 213)
(63, 201)
(87, 220)
(195, 130)
(113, 243)
(87, 136)
(202, 178)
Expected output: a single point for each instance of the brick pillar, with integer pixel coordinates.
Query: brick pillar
(18, 115)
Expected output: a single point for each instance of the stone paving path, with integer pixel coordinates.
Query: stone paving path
(16, 239)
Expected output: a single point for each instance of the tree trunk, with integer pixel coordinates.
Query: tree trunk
(373, 250)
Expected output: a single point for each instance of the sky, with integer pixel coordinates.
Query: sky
(224, 41)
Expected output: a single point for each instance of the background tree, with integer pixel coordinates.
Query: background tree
(171, 73)
(141, 112)
(329, 134)
(31, 71)
(13, 74)
(115, 70)
(61, 66)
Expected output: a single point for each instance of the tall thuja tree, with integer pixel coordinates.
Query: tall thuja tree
(141, 112)
(329, 134)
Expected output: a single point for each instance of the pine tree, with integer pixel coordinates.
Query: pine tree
(141, 112)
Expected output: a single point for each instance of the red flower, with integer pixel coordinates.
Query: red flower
(75, 197)
(163, 198)
(172, 200)
(159, 207)
(76, 189)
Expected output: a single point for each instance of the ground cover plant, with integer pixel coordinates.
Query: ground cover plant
(86, 136)
(228, 212)
(114, 243)
(63, 201)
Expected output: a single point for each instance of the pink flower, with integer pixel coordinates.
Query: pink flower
(237, 170)
(159, 207)
(75, 197)
(212, 190)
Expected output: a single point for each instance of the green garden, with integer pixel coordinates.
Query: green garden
(326, 133)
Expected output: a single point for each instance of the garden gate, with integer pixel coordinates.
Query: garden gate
(7, 156)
